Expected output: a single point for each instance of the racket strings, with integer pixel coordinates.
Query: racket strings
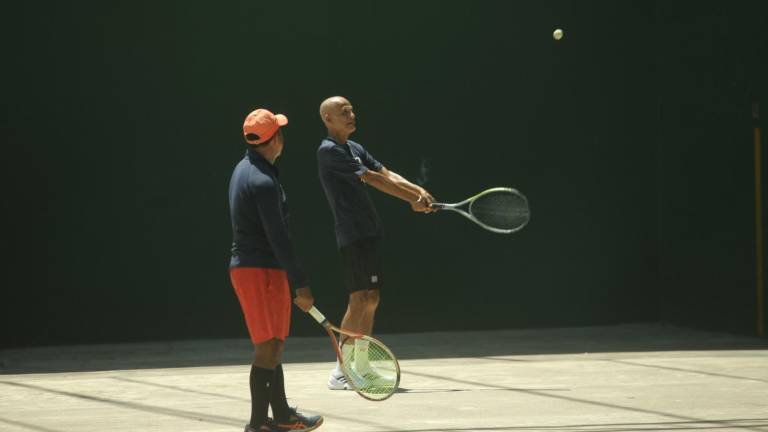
(373, 371)
(503, 210)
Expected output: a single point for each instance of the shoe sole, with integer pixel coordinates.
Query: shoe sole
(317, 425)
(341, 387)
(345, 387)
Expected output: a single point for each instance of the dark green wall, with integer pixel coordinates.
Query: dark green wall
(712, 59)
(122, 124)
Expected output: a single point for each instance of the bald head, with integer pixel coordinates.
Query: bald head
(332, 104)
(338, 116)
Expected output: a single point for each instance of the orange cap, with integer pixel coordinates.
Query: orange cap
(263, 124)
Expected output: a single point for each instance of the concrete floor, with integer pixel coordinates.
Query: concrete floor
(621, 378)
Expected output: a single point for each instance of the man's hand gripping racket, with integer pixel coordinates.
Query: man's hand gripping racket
(369, 366)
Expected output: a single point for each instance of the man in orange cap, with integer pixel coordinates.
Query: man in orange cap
(264, 269)
(345, 167)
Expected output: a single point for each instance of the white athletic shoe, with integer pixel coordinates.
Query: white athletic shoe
(338, 382)
(376, 380)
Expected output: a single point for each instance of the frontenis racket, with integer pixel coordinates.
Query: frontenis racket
(369, 366)
(500, 210)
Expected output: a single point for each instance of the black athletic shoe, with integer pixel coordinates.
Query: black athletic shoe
(264, 428)
(296, 422)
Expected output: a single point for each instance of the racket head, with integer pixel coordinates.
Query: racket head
(502, 210)
(376, 376)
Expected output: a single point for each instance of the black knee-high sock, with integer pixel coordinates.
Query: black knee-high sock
(277, 399)
(261, 381)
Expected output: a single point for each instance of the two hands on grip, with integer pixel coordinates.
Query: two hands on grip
(424, 203)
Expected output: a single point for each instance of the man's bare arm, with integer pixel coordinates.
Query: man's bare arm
(397, 186)
(397, 178)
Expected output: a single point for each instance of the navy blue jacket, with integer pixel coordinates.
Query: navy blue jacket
(259, 215)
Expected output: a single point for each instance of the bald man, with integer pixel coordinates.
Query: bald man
(345, 168)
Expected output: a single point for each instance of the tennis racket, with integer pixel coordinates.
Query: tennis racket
(500, 210)
(369, 366)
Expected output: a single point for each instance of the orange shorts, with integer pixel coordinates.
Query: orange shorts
(265, 298)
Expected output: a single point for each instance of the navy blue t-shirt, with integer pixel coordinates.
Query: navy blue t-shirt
(340, 167)
(258, 211)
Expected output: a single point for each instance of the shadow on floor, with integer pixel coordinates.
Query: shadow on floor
(224, 352)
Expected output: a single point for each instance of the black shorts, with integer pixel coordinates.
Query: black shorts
(361, 265)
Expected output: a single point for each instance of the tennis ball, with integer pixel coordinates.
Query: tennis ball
(558, 34)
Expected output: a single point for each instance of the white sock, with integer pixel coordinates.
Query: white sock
(361, 356)
(346, 353)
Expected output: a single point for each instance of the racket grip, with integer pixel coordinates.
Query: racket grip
(438, 206)
(317, 315)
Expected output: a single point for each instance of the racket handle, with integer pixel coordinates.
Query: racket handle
(438, 206)
(317, 315)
